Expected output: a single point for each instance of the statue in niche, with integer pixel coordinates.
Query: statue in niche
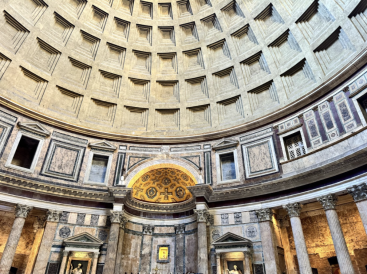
(234, 271)
(77, 270)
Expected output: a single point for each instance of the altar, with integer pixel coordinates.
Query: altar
(233, 254)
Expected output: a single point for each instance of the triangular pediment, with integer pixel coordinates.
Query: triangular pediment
(36, 128)
(103, 145)
(225, 143)
(83, 240)
(231, 239)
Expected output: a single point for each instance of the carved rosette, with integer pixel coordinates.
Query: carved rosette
(53, 215)
(22, 211)
(202, 215)
(116, 216)
(293, 209)
(359, 192)
(328, 201)
(123, 222)
(148, 229)
(264, 214)
(180, 229)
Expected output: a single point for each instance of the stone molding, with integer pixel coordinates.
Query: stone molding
(53, 215)
(65, 253)
(148, 229)
(264, 214)
(116, 217)
(22, 211)
(328, 201)
(119, 191)
(293, 209)
(180, 229)
(248, 254)
(202, 215)
(359, 192)
(205, 191)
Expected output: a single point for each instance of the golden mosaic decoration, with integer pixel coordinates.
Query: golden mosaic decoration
(163, 185)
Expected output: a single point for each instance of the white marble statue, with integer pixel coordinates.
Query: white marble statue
(77, 270)
(234, 271)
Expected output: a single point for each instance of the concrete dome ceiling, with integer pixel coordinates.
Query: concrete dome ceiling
(151, 69)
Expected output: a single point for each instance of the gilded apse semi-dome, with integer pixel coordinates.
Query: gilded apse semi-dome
(128, 68)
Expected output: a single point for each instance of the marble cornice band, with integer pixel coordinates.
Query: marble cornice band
(328, 202)
(22, 211)
(293, 209)
(358, 192)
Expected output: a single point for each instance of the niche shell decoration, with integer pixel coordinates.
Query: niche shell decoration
(163, 185)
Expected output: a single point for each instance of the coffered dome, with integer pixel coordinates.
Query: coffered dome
(129, 68)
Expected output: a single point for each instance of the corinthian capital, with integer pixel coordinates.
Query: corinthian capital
(264, 214)
(115, 217)
(180, 229)
(148, 229)
(293, 209)
(202, 215)
(328, 201)
(53, 215)
(123, 222)
(359, 192)
(21, 211)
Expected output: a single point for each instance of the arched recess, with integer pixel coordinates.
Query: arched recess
(162, 163)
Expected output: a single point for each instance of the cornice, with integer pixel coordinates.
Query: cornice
(339, 77)
(56, 190)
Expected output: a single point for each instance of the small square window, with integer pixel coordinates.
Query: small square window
(227, 166)
(294, 145)
(25, 152)
(98, 168)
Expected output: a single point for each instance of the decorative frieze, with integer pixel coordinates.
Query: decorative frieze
(224, 218)
(238, 217)
(53, 215)
(328, 201)
(293, 209)
(264, 214)
(22, 211)
(359, 192)
(202, 215)
(180, 229)
(116, 217)
(148, 229)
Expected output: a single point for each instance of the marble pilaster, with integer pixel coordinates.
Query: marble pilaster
(219, 267)
(359, 193)
(118, 267)
(53, 217)
(95, 262)
(146, 251)
(21, 213)
(111, 253)
(65, 255)
(202, 218)
(268, 241)
(328, 202)
(180, 247)
(247, 268)
(294, 211)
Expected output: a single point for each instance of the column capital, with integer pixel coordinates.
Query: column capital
(202, 215)
(148, 229)
(264, 214)
(247, 253)
(22, 211)
(359, 192)
(53, 215)
(123, 222)
(95, 255)
(293, 209)
(65, 253)
(180, 229)
(328, 201)
(116, 216)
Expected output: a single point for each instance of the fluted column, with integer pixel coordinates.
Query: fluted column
(294, 211)
(268, 242)
(248, 262)
(95, 262)
(65, 255)
(202, 218)
(328, 202)
(359, 193)
(21, 212)
(109, 267)
(118, 268)
(53, 217)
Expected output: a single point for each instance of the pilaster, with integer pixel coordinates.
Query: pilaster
(359, 194)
